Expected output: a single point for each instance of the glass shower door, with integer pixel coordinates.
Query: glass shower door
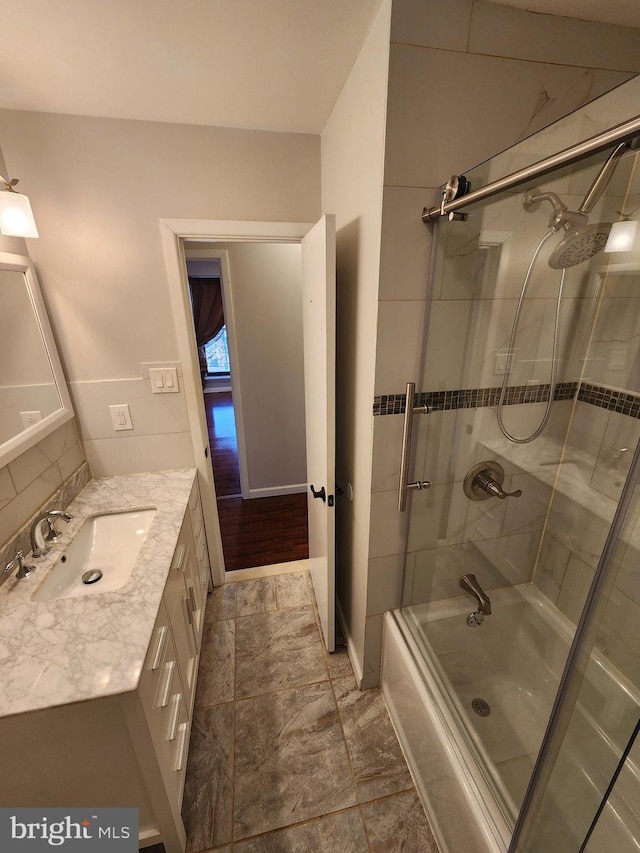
(535, 551)
(585, 791)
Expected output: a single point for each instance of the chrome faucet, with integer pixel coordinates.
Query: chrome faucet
(39, 546)
(470, 584)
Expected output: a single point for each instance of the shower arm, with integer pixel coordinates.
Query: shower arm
(561, 217)
(602, 179)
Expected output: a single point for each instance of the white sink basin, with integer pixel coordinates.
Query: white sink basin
(107, 546)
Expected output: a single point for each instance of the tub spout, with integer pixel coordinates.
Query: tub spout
(470, 584)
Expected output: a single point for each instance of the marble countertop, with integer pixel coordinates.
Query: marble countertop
(75, 649)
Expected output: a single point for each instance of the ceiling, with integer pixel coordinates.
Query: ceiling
(267, 64)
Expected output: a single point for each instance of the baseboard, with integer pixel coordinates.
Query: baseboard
(351, 651)
(293, 489)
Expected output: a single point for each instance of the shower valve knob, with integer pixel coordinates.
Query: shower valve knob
(485, 481)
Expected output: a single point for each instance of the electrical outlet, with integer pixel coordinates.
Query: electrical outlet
(30, 418)
(121, 416)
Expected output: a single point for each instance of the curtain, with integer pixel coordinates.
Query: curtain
(208, 315)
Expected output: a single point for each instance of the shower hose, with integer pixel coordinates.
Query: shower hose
(512, 340)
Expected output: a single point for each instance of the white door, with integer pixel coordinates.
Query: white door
(319, 319)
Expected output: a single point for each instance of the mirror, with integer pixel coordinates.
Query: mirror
(34, 400)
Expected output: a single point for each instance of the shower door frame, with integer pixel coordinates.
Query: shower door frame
(626, 131)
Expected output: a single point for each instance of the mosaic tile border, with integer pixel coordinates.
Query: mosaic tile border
(611, 399)
(476, 398)
(473, 398)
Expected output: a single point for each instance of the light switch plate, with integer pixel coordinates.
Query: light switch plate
(164, 380)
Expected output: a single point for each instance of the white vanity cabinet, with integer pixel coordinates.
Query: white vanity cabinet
(129, 749)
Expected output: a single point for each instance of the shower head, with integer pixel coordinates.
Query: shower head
(579, 244)
(581, 240)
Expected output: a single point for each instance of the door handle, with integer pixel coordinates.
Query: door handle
(319, 494)
(409, 411)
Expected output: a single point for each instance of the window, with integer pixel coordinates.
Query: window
(217, 353)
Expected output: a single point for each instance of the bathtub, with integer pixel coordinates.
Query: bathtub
(470, 706)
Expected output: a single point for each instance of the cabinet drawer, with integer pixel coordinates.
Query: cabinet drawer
(161, 644)
(169, 727)
(195, 509)
(179, 752)
(194, 497)
(201, 553)
(173, 587)
(198, 527)
(185, 642)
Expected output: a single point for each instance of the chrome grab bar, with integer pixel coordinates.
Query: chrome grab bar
(405, 457)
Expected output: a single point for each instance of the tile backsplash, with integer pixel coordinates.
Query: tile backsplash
(51, 473)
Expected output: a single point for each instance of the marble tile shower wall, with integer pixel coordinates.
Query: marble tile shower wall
(600, 446)
(53, 472)
(463, 85)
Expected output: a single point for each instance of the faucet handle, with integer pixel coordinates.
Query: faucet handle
(24, 569)
(485, 481)
(52, 534)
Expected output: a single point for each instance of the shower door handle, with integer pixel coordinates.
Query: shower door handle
(405, 458)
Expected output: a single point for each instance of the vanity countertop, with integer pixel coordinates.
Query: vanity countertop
(75, 649)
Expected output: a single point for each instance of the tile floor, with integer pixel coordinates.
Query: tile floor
(286, 753)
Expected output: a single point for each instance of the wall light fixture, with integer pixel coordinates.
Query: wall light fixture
(16, 216)
(622, 236)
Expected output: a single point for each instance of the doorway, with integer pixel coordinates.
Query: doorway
(318, 243)
(246, 301)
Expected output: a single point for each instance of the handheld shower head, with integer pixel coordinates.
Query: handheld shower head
(579, 244)
(581, 240)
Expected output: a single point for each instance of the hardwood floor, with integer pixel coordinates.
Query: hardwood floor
(221, 426)
(263, 531)
(256, 532)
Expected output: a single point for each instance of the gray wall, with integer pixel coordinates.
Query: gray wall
(352, 172)
(98, 189)
(266, 289)
(31, 479)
